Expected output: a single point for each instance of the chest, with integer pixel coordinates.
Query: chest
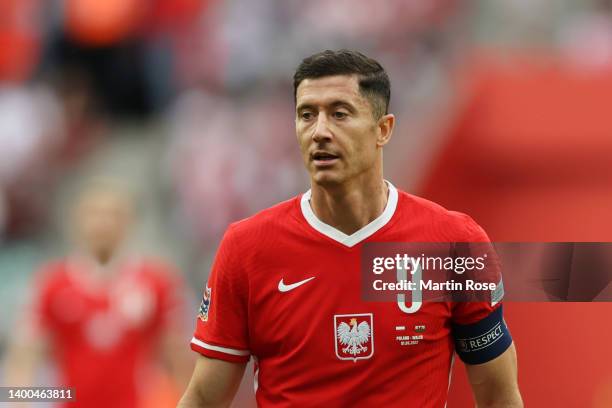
(103, 315)
(314, 305)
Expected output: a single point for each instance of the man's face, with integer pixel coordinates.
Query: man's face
(103, 218)
(337, 132)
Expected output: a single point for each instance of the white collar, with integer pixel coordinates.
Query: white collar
(357, 236)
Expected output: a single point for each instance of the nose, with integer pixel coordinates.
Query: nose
(321, 131)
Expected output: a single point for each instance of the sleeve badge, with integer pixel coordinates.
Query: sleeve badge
(205, 305)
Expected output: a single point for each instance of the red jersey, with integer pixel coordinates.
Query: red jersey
(103, 334)
(285, 288)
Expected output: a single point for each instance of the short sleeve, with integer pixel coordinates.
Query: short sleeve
(36, 320)
(222, 321)
(41, 319)
(479, 330)
(475, 243)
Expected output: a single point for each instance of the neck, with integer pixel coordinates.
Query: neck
(350, 206)
(103, 257)
(101, 263)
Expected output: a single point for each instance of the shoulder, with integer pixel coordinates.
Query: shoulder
(155, 269)
(265, 223)
(51, 275)
(448, 224)
(52, 270)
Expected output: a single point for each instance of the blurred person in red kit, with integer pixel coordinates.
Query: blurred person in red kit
(110, 321)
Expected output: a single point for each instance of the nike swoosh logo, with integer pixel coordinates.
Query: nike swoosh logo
(286, 288)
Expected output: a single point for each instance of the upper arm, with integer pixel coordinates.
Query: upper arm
(221, 334)
(487, 349)
(213, 383)
(495, 382)
(222, 325)
(482, 338)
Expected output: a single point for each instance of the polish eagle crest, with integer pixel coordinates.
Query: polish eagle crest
(354, 337)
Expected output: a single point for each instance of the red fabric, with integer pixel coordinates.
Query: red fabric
(103, 336)
(533, 138)
(173, 14)
(292, 334)
(19, 38)
(528, 156)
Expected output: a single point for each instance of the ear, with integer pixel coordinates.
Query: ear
(385, 128)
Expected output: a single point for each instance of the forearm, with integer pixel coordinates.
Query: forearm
(495, 384)
(490, 396)
(190, 400)
(213, 384)
(193, 398)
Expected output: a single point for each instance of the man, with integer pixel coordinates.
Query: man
(109, 321)
(285, 285)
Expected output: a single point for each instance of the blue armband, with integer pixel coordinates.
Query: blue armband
(484, 340)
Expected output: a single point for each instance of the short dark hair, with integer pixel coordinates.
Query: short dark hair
(374, 82)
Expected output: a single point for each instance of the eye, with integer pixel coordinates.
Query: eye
(340, 115)
(306, 115)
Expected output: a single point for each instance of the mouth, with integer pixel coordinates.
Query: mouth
(323, 159)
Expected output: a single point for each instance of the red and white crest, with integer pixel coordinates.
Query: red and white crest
(354, 334)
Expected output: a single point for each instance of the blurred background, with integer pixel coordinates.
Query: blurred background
(503, 111)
